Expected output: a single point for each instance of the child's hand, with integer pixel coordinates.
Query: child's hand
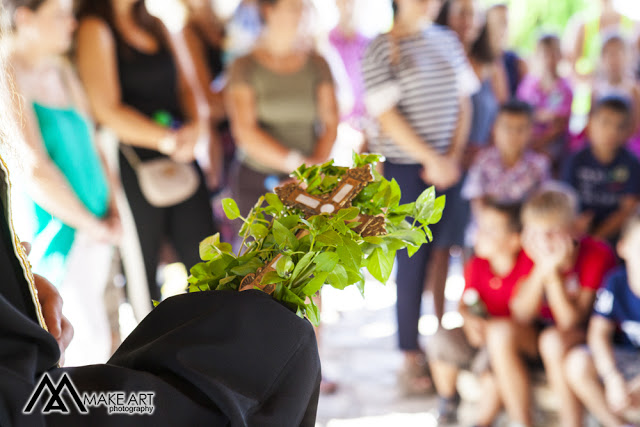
(617, 394)
(634, 391)
(475, 328)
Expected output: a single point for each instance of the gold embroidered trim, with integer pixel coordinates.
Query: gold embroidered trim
(19, 250)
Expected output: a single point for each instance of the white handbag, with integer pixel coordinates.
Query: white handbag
(163, 182)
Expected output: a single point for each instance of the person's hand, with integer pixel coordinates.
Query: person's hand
(187, 138)
(616, 392)
(443, 172)
(548, 253)
(634, 392)
(107, 230)
(475, 329)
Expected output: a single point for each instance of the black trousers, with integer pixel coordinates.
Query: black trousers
(412, 272)
(184, 225)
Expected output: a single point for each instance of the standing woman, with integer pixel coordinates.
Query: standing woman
(282, 104)
(461, 16)
(75, 219)
(418, 83)
(137, 86)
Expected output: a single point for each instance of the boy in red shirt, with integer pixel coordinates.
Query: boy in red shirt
(490, 278)
(551, 307)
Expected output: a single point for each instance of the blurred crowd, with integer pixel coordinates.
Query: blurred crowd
(139, 116)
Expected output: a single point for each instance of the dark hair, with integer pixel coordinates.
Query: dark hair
(481, 49)
(10, 7)
(262, 4)
(517, 107)
(548, 39)
(614, 103)
(394, 8)
(512, 211)
(103, 9)
(443, 15)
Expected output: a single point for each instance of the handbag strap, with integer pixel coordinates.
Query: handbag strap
(131, 156)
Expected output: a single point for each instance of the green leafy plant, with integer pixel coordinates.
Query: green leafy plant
(328, 251)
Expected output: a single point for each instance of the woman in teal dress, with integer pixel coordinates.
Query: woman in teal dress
(73, 219)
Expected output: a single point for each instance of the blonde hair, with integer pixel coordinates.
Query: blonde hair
(554, 201)
(632, 222)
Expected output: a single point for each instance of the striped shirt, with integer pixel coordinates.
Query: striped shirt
(423, 76)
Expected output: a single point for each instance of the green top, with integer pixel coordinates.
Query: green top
(68, 139)
(286, 104)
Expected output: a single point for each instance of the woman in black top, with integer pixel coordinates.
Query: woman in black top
(138, 87)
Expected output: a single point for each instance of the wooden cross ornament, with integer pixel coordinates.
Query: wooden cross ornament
(294, 196)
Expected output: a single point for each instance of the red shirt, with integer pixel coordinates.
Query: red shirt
(495, 292)
(595, 259)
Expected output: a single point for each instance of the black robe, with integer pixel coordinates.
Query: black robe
(211, 358)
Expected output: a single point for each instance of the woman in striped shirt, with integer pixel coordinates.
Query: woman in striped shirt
(418, 83)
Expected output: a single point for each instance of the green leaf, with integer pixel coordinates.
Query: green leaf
(425, 204)
(396, 193)
(338, 278)
(289, 296)
(438, 208)
(380, 264)
(329, 238)
(411, 250)
(326, 261)
(413, 237)
(374, 240)
(258, 231)
(212, 247)
(348, 214)
(284, 237)
(302, 264)
(247, 268)
(272, 277)
(290, 221)
(231, 209)
(350, 254)
(284, 266)
(315, 284)
(227, 279)
(313, 313)
(274, 201)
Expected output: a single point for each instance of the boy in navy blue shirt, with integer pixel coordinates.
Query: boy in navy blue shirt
(606, 377)
(605, 175)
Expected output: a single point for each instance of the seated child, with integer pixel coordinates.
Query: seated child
(606, 377)
(616, 80)
(490, 277)
(550, 307)
(551, 97)
(509, 171)
(605, 175)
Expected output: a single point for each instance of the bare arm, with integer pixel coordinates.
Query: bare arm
(614, 222)
(328, 116)
(600, 337)
(97, 66)
(463, 127)
(527, 300)
(568, 313)
(499, 81)
(241, 104)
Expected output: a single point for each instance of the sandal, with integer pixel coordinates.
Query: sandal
(415, 378)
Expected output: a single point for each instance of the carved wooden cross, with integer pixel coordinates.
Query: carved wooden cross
(294, 196)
